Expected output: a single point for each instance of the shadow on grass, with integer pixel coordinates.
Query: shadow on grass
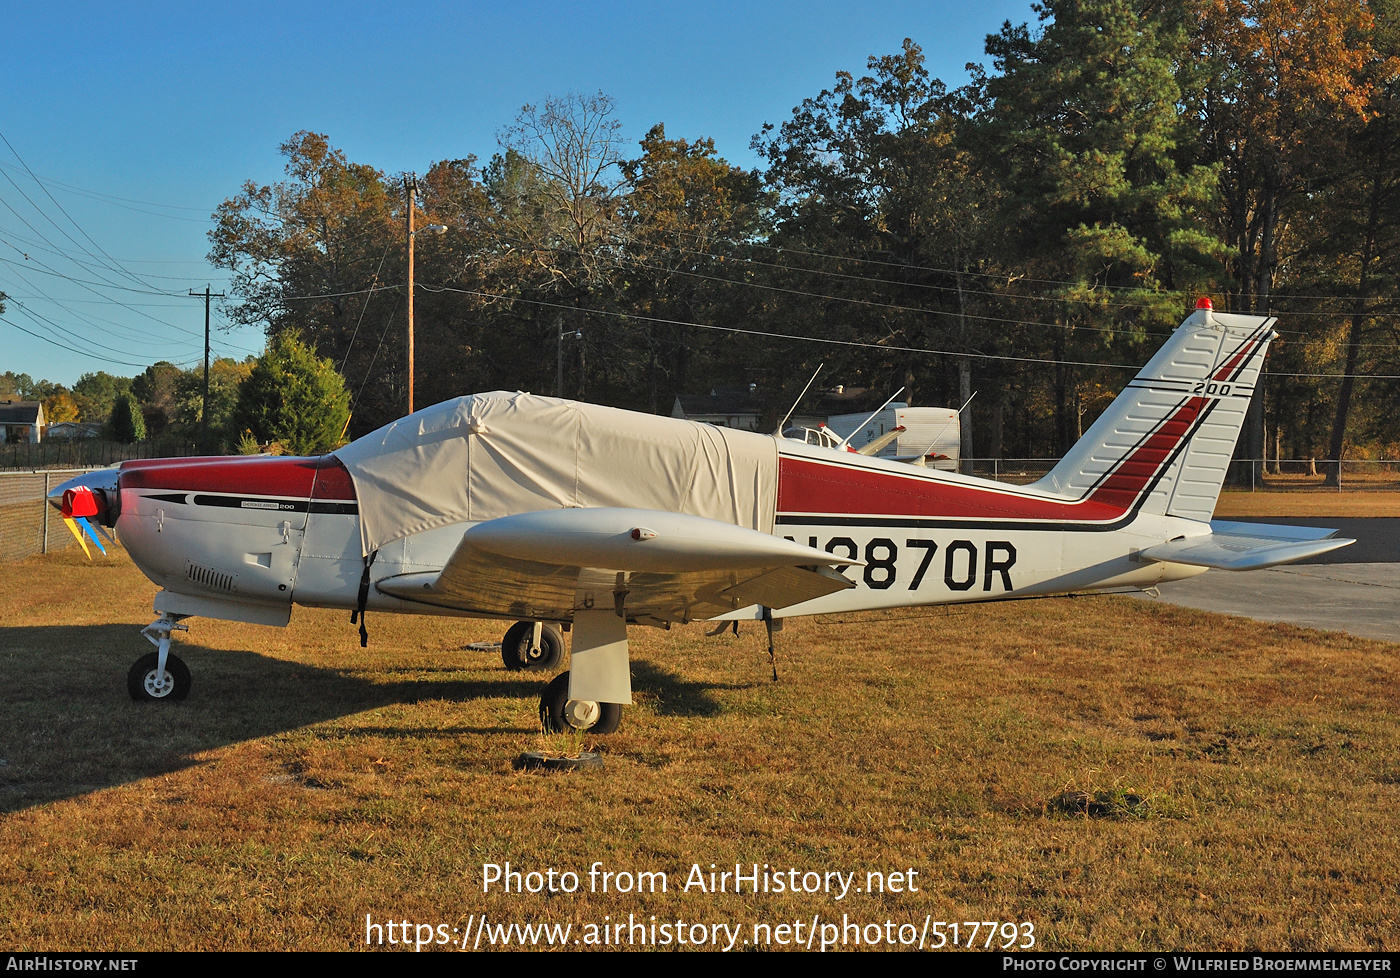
(676, 697)
(70, 726)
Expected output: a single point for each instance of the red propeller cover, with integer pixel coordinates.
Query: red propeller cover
(79, 502)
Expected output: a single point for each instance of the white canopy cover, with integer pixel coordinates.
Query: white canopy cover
(490, 455)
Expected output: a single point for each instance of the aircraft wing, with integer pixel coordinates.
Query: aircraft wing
(655, 567)
(1247, 546)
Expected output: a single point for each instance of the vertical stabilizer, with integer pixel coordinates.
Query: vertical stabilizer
(1165, 444)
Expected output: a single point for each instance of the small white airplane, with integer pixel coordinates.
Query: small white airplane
(555, 514)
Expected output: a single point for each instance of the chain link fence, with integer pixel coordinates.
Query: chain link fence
(1019, 471)
(1355, 475)
(28, 525)
(87, 453)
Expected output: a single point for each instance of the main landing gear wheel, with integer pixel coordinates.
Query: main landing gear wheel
(559, 714)
(145, 686)
(519, 650)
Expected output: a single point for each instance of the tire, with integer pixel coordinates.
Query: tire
(555, 710)
(510, 645)
(141, 684)
(539, 761)
(517, 654)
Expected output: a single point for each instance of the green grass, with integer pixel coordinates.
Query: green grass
(307, 782)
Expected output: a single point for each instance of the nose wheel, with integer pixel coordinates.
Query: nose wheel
(559, 714)
(159, 675)
(147, 684)
(532, 646)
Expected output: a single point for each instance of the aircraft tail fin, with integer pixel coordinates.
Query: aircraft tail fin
(1164, 445)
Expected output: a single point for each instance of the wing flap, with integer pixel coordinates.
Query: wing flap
(1247, 546)
(788, 586)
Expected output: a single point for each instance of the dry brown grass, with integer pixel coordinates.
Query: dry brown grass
(307, 782)
(1308, 502)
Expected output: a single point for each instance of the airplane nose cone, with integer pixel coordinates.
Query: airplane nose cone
(102, 484)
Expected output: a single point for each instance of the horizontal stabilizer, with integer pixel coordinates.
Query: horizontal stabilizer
(1247, 546)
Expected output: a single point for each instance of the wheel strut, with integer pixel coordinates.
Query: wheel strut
(158, 634)
(159, 675)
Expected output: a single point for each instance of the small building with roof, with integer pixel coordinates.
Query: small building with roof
(21, 421)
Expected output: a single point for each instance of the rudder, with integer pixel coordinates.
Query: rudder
(1165, 444)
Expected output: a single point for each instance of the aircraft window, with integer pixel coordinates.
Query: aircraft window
(813, 436)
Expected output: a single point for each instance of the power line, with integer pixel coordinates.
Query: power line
(85, 353)
(783, 336)
(204, 409)
(1185, 294)
(53, 248)
(46, 270)
(49, 323)
(114, 264)
(852, 343)
(43, 270)
(899, 307)
(94, 322)
(351, 345)
(99, 195)
(968, 315)
(84, 319)
(885, 305)
(369, 371)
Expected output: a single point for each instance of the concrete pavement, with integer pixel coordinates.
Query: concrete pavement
(1355, 589)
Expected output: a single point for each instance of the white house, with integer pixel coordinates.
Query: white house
(21, 421)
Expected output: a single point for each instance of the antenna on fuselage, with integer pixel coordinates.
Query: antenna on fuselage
(847, 440)
(919, 459)
(798, 401)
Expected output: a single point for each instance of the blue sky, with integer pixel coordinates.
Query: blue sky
(139, 119)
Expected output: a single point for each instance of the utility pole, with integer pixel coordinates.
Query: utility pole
(204, 412)
(410, 188)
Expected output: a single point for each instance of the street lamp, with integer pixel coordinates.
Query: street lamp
(410, 186)
(578, 335)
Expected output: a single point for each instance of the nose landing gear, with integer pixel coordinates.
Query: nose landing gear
(159, 675)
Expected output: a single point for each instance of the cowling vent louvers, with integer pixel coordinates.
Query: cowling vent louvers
(212, 579)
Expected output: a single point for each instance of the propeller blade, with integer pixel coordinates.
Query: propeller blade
(77, 535)
(87, 527)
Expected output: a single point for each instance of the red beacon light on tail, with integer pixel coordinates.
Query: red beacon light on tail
(1204, 303)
